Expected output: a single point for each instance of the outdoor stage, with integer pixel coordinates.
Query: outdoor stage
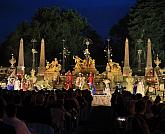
(101, 100)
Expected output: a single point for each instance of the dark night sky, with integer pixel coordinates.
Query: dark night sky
(101, 14)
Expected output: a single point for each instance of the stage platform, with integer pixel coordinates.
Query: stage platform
(101, 100)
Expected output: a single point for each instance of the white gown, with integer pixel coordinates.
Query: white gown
(80, 81)
(17, 85)
(107, 87)
(140, 88)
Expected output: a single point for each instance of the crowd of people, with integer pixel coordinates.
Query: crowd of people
(56, 111)
(137, 114)
(60, 111)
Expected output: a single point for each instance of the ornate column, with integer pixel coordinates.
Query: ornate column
(42, 59)
(12, 69)
(139, 60)
(126, 68)
(12, 61)
(108, 51)
(65, 53)
(20, 67)
(149, 68)
(157, 61)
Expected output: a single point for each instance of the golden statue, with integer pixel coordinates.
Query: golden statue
(47, 64)
(108, 69)
(113, 71)
(157, 61)
(52, 72)
(129, 83)
(12, 61)
(92, 64)
(87, 53)
(78, 62)
(54, 66)
(113, 67)
(32, 79)
(86, 65)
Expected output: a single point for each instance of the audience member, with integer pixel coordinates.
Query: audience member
(12, 120)
(4, 128)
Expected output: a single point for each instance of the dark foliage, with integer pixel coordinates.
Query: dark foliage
(145, 20)
(54, 25)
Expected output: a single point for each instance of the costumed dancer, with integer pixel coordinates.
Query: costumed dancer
(80, 81)
(69, 80)
(107, 87)
(17, 84)
(140, 88)
(10, 83)
(135, 88)
(90, 82)
(25, 83)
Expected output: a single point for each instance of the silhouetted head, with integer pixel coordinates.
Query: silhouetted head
(140, 107)
(11, 110)
(157, 99)
(2, 107)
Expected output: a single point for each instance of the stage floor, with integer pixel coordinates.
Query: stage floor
(101, 100)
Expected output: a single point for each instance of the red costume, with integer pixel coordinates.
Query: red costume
(90, 79)
(91, 83)
(69, 80)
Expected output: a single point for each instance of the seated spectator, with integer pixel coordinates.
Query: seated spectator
(4, 128)
(37, 112)
(12, 120)
(58, 114)
(137, 124)
(157, 100)
(50, 102)
(159, 123)
(148, 113)
(131, 108)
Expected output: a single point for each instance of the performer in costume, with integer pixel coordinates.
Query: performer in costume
(69, 80)
(17, 84)
(80, 81)
(10, 83)
(135, 87)
(90, 82)
(107, 87)
(140, 88)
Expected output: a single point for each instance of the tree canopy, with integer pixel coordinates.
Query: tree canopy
(145, 20)
(54, 25)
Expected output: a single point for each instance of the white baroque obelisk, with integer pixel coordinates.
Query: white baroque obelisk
(42, 69)
(149, 68)
(126, 69)
(20, 67)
